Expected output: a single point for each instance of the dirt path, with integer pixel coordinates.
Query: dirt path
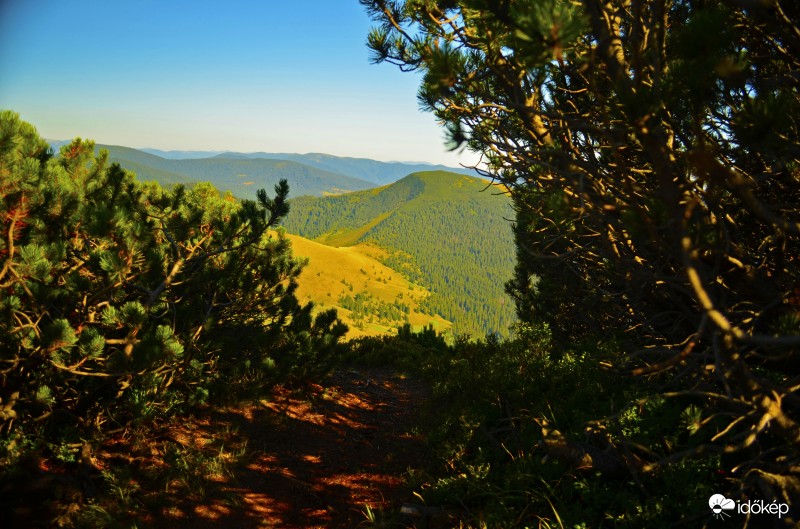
(310, 462)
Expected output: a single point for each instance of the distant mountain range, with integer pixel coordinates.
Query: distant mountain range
(445, 231)
(241, 176)
(380, 173)
(242, 173)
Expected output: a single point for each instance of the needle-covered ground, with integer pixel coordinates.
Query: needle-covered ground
(327, 457)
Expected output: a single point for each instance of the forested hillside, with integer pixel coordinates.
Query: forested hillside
(445, 231)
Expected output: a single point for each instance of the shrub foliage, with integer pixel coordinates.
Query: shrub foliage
(122, 301)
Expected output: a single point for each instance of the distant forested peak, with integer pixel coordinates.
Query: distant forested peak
(447, 182)
(443, 230)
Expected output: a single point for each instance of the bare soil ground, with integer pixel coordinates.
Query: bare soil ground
(294, 462)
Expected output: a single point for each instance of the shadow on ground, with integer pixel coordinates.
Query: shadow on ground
(315, 462)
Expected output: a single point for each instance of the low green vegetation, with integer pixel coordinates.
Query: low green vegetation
(365, 308)
(525, 434)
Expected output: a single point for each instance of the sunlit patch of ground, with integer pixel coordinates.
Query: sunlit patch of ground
(290, 461)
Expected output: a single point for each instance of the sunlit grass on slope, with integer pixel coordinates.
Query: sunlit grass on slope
(333, 273)
(448, 232)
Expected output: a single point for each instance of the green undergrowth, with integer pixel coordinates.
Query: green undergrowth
(509, 421)
(164, 475)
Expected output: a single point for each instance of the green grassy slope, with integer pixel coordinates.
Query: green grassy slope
(442, 232)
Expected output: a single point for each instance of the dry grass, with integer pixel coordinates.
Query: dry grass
(332, 271)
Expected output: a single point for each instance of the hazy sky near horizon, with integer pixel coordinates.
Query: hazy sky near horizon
(245, 76)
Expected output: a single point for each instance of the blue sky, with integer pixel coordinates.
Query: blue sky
(248, 76)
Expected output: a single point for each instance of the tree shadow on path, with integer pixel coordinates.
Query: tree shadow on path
(315, 461)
